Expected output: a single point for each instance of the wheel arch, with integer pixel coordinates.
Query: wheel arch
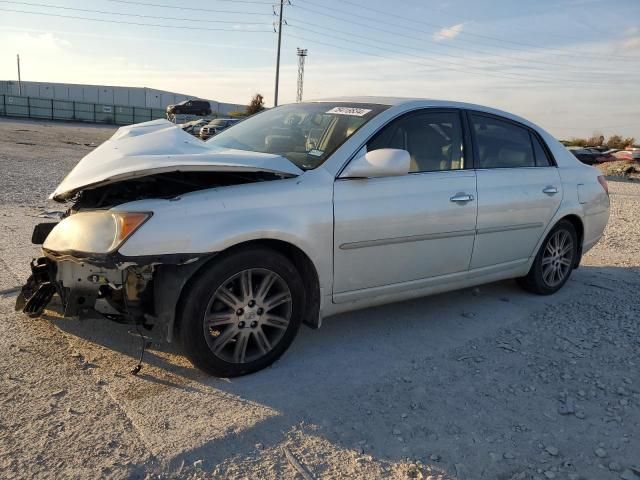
(297, 256)
(576, 221)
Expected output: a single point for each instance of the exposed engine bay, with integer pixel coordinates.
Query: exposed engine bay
(162, 185)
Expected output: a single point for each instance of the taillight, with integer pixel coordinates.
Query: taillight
(603, 182)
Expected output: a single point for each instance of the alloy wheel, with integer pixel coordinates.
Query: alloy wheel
(247, 315)
(557, 258)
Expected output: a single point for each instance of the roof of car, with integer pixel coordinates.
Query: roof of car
(425, 102)
(393, 101)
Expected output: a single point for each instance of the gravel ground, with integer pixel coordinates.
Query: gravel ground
(486, 383)
(622, 168)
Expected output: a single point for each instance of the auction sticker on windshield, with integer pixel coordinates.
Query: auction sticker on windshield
(354, 112)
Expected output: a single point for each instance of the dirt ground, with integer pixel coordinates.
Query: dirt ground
(486, 383)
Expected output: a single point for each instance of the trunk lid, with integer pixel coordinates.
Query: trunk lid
(160, 146)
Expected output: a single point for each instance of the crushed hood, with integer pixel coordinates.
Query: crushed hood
(160, 146)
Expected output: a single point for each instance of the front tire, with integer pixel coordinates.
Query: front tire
(241, 314)
(554, 262)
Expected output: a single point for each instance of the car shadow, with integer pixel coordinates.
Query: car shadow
(328, 376)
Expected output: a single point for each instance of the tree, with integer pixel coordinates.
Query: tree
(256, 105)
(577, 142)
(596, 140)
(616, 141)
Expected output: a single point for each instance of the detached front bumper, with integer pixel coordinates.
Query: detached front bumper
(141, 290)
(36, 294)
(83, 287)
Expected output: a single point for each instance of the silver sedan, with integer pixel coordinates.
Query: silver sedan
(307, 210)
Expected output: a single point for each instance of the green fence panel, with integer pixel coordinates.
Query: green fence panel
(62, 110)
(62, 105)
(40, 103)
(84, 116)
(19, 106)
(17, 101)
(85, 107)
(17, 110)
(104, 113)
(141, 114)
(40, 112)
(123, 119)
(123, 110)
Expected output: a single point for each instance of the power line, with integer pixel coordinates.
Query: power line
(250, 2)
(130, 14)
(567, 53)
(137, 23)
(194, 9)
(462, 68)
(405, 60)
(581, 70)
(466, 59)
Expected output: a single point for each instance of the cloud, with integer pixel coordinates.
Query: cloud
(448, 33)
(40, 42)
(632, 31)
(632, 43)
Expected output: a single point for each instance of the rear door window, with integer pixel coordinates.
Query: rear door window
(502, 144)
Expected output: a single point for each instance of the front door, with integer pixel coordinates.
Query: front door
(399, 229)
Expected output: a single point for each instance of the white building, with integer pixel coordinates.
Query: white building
(108, 95)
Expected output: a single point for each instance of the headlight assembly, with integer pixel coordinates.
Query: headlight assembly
(94, 232)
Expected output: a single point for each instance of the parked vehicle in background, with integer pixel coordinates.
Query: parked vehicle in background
(308, 210)
(193, 127)
(600, 155)
(628, 154)
(585, 155)
(216, 126)
(190, 107)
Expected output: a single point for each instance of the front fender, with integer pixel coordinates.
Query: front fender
(293, 210)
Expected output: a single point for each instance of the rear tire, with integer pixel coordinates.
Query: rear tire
(242, 313)
(554, 262)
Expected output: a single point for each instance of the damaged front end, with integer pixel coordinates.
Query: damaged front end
(142, 291)
(153, 164)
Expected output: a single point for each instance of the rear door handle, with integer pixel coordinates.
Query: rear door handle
(461, 198)
(550, 190)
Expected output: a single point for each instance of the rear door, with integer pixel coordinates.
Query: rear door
(519, 190)
(396, 230)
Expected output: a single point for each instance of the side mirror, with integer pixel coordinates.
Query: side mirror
(385, 162)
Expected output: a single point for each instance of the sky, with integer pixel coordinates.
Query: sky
(572, 66)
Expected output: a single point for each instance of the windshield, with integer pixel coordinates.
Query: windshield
(304, 133)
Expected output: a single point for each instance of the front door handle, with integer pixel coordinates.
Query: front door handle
(550, 190)
(461, 198)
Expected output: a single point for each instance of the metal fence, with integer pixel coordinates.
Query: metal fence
(47, 108)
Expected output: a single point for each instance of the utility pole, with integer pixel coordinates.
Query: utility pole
(302, 54)
(19, 78)
(275, 97)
